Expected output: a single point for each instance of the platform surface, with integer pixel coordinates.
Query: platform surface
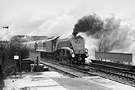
(52, 80)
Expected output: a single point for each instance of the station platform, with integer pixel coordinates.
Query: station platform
(52, 80)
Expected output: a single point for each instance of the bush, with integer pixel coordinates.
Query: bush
(7, 51)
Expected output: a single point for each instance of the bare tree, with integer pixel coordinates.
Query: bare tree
(111, 35)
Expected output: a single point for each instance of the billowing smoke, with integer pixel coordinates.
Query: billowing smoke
(108, 32)
(88, 24)
(107, 35)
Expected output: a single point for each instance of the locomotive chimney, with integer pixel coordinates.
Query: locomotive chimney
(74, 32)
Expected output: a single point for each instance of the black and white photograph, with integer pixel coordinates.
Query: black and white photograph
(67, 44)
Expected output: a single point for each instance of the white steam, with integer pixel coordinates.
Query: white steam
(91, 44)
(120, 39)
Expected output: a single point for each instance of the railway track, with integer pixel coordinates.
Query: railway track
(114, 73)
(119, 75)
(93, 69)
(118, 70)
(68, 70)
(82, 68)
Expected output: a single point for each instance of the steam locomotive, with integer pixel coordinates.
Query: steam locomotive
(66, 50)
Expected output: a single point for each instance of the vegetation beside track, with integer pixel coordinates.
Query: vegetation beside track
(7, 51)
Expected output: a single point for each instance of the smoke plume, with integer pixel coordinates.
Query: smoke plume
(107, 35)
(89, 25)
(108, 31)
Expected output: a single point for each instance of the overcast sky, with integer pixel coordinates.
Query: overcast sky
(50, 17)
